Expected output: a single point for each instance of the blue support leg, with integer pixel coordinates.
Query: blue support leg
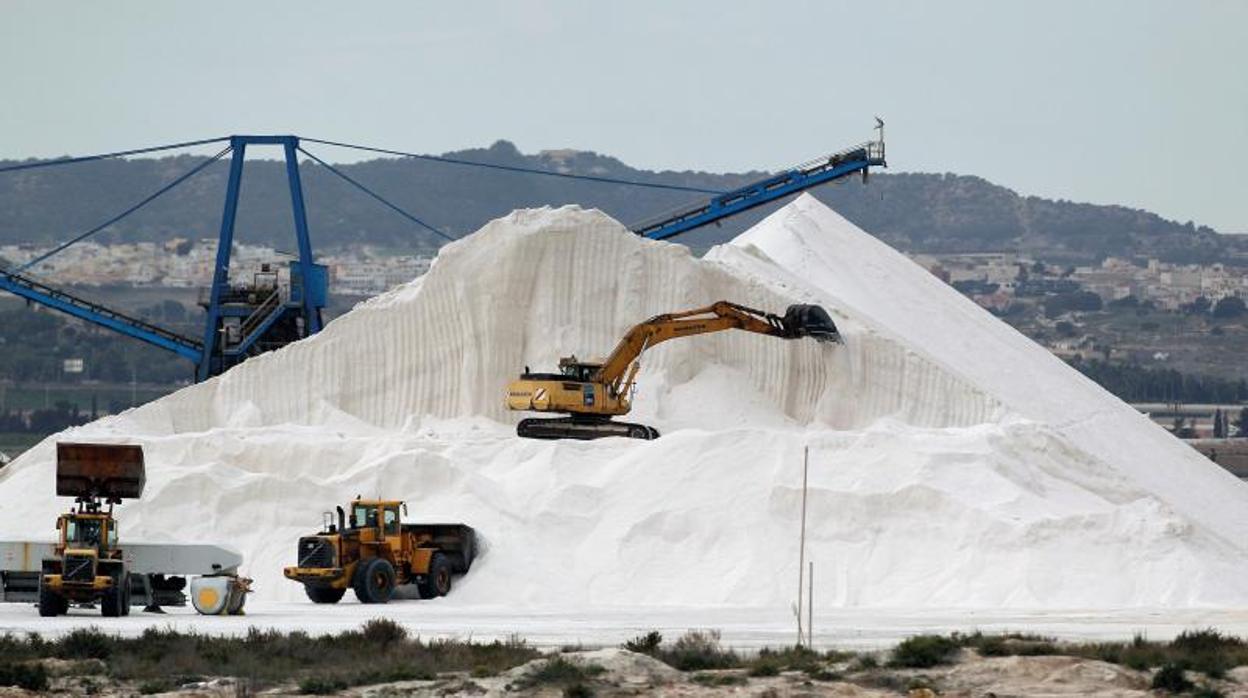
(311, 313)
(221, 271)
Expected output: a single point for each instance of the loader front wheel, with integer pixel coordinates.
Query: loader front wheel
(324, 594)
(438, 580)
(374, 581)
(115, 597)
(51, 603)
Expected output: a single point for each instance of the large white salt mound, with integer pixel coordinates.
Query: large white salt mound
(828, 256)
(953, 463)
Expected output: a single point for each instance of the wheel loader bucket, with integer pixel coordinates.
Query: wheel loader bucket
(111, 471)
(811, 321)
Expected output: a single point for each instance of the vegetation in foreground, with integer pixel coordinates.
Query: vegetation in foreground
(381, 651)
(162, 659)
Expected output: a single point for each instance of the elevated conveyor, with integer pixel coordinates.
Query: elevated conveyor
(855, 160)
(57, 299)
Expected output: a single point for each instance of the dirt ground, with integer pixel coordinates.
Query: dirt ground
(617, 672)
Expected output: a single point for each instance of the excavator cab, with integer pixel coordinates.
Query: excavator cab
(811, 321)
(573, 369)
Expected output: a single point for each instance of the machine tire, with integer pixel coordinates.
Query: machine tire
(125, 602)
(374, 581)
(114, 598)
(324, 594)
(51, 604)
(438, 580)
(637, 431)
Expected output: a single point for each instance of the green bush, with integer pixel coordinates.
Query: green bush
(13, 648)
(383, 631)
(1209, 651)
(147, 688)
(924, 652)
(1006, 644)
(1170, 678)
(835, 656)
(645, 644)
(321, 685)
(699, 650)
(765, 668)
(559, 671)
(85, 643)
(865, 662)
(1206, 651)
(377, 652)
(823, 675)
(795, 658)
(32, 677)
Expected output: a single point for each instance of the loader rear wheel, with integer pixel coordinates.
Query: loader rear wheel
(324, 594)
(438, 580)
(374, 581)
(51, 603)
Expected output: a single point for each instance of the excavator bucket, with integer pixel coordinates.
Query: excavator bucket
(111, 471)
(811, 321)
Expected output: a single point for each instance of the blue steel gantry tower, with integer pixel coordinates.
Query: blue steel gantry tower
(242, 319)
(250, 318)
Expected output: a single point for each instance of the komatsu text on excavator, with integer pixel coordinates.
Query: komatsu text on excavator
(592, 392)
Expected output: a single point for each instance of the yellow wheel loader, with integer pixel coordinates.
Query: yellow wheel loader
(87, 565)
(592, 392)
(372, 552)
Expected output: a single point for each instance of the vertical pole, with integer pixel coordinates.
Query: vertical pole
(221, 271)
(311, 315)
(810, 607)
(801, 554)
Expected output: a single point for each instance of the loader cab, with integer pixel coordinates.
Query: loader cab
(94, 531)
(381, 517)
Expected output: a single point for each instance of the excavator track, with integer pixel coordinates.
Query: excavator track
(585, 430)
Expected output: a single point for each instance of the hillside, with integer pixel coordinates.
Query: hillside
(912, 211)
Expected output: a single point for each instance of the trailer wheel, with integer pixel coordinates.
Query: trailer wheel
(114, 601)
(438, 580)
(51, 603)
(374, 581)
(324, 594)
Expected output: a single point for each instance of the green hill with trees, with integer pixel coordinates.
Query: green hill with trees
(913, 211)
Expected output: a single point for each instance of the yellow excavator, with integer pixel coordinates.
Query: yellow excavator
(592, 392)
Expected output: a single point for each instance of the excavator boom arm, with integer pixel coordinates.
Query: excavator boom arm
(720, 316)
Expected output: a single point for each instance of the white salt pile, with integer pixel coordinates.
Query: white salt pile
(953, 462)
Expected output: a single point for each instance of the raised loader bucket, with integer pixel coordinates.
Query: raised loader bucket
(811, 321)
(109, 471)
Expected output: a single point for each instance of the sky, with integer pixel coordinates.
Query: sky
(1133, 102)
